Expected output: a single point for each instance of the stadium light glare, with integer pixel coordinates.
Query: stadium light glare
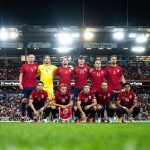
(88, 35)
(8, 34)
(119, 35)
(13, 35)
(3, 34)
(141, 39)
(138, 49)
(132, 35)
(65, 39)
(75, 35)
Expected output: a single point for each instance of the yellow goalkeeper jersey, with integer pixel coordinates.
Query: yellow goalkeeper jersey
(46, 74)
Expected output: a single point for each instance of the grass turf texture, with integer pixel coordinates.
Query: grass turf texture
(73, 136)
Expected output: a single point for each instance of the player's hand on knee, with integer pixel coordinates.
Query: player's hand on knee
(113, 106)
(131, 110)
(87, 107)
(53, 107)
(36, 113)
(24, 100)
(75, 108)
(99, 107)
(41, 110)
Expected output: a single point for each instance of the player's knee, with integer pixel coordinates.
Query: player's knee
(53, 107)
(24, 100)
(99, 107)
(75, 108)
(112, 106)
(94, 108)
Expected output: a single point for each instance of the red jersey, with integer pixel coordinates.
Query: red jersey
(62, 99)
(86, 99)
(104, 98)
(126, 99)
(29, 74)
(113, 75)
(65, 76)
(81, 75)
(39, 98)
(97, 77)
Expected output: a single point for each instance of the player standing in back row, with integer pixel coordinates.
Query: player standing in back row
(64, 74)
(27, 80)
(81, 73)
(46, 72)
(114, 75)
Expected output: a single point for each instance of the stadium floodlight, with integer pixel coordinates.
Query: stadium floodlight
(8, 34)
(132, 35)
(119, 35)
(141, 39)
(63, 49)
(138, 49)
(13, 35)
(65, 39)
(88, 35)
(3, 34)
(75, 35)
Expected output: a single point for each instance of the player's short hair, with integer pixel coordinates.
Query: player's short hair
(87, 84)
(113, 56)
(97, 60)
(64, 58)
(31, 54)
(63, 85)
(81, 57)
(127, 83)
(39, 82)
(46, 56)
(105, 81)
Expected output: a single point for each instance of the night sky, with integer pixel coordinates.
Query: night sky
(70, 12)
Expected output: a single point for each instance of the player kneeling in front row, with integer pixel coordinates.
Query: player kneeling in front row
(86, 104)
(38, 101)
(105, 103)
(127, 104)
(62, 105)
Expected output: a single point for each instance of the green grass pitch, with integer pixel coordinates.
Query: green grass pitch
(74, 136)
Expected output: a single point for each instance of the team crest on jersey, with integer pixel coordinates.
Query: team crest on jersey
(90, 97)
(118, 70)
(63, 99)
(86, 99)
(130, 96)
